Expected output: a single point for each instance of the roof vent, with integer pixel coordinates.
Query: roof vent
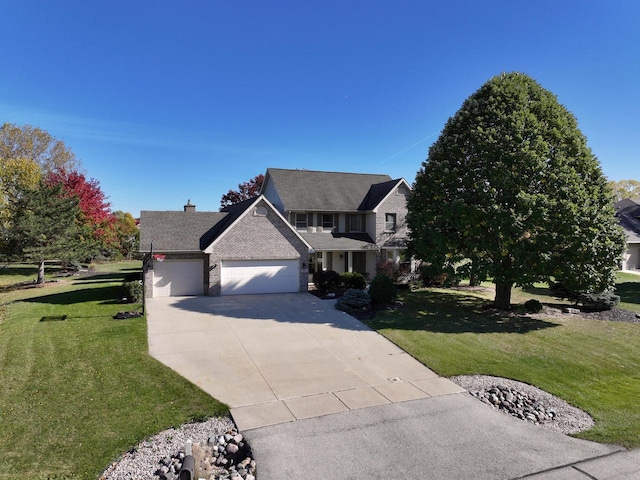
(189, 208)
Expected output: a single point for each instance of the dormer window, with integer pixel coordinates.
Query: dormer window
(390, 222)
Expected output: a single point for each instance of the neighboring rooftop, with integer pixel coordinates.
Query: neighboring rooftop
(628, 213)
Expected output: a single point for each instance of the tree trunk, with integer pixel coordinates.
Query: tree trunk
(474, 281)
(40, 279)
(503, 296)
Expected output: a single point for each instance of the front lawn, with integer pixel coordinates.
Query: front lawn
(592, 364)
(78, 387)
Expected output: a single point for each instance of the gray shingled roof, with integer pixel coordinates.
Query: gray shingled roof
(339, 241)
(628, 213)
(175, 231)
(308, 190)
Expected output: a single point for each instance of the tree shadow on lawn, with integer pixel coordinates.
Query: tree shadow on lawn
(448, 313)
(629, 292)
(104, 295)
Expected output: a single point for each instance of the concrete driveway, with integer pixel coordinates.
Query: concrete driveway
(283, 357)
(278, 358)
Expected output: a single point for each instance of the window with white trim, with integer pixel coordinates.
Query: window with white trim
(390, 222)
(301, 221)
(328, 222)
(355, 222)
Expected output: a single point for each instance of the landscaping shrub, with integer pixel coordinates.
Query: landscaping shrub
(593, 301)
(599, 301)
(432, 277)
(133, 291)
(533, 306)
(326, 280)
(353, 280)
(353, 300)
(559, 290)
(382, 290)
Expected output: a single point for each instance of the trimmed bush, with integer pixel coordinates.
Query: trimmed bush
(133, 291)
(353, 300)
(599, 301)
(533, 306)
(326, 280)
(382, 290)
(353, 280)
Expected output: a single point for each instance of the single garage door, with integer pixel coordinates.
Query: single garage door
(173, 278)
(259, 276)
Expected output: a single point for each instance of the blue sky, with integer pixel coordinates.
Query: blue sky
(168, 101)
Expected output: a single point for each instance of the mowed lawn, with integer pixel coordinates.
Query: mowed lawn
(77, 393)
(592, 364)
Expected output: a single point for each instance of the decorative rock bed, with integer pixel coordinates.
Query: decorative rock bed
(219, 451)
(526, 402)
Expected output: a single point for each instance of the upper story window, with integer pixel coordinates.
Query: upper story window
(301, 221)
(401, 191)
(355, 222)
(390, 222)
(328, 221)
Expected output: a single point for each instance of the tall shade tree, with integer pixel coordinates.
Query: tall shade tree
(245, 191)
(46, 228)
(511, 186)
(96, 213)
(625, 189)
(38, 145)
(127, 234)
(18, 176)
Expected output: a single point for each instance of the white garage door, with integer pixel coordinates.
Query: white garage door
(259, 276)
(173, 278)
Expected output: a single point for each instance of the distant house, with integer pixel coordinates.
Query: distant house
(303, 221)
(628, 214)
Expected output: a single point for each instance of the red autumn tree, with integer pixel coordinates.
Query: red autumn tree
(96, 211)
(245, 191)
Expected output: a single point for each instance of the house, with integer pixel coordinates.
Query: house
(301, 222)
(352, 221)
(628, 213)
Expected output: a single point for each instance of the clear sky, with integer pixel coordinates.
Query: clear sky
(165, 101)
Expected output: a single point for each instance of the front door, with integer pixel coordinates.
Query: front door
(360, 263)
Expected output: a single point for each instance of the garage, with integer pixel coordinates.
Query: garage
(173, 278)
(259, 276)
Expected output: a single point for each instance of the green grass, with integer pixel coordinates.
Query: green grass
(592, 364)
(77, 393)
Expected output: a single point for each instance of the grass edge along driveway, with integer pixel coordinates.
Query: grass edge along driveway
(592, 364)
(79, 392)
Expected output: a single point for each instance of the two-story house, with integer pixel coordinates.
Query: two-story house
(301, 222)
(351, 220)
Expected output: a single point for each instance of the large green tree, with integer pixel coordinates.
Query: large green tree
(512, 186)
(46, 227)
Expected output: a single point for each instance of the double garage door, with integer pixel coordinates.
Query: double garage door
(186, 277)
(259, 276)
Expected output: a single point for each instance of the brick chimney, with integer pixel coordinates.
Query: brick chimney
(189, 208)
